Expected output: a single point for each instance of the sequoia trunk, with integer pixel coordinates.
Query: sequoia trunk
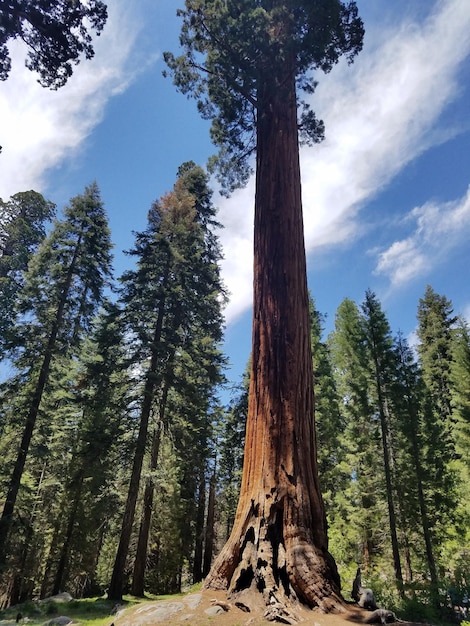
(278, 545)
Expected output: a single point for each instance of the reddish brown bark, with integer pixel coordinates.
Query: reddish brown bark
(278, 544)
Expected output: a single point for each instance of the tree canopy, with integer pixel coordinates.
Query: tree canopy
(230, 46)
(56, 33)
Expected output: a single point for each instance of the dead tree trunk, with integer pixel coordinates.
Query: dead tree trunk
(278, 545)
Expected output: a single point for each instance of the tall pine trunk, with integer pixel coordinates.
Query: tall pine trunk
(210, 523)
(67, 540)
(116, 585)
(151, 383)
(385, 432)
(422, 506)
(412, 418)
(279, 540)
(199, 524)
(389, 489)
(140, 562)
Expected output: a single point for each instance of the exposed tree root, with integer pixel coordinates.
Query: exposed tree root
(276, 570)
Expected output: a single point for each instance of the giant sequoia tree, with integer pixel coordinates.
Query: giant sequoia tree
(243, 62)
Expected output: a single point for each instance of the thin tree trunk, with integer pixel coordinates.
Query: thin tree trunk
(117, 579)
(64, 552)
(279, 541)
(416, 455)
(140, 562)
(378, 358)
(391, 506)
(20, 590)
(210, 522)
(199, 529)
(423, 510)
(384, 427)
(408, 566)
(47, 579)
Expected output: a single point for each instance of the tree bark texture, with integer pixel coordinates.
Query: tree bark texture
(278, 545)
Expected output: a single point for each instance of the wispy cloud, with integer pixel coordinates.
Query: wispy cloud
(380, 114)
(236, 215)
(43, 126)
(438, 228)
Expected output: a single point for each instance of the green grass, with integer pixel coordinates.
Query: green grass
(94, 611)
(87, 612)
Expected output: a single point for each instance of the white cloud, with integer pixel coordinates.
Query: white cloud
(380, 114)
(42, 126)
(466, 313)
(402, 262)
(236, 215)
(438, 229)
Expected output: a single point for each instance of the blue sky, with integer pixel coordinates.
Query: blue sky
(386, 195)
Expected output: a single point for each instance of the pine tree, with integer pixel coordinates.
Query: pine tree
(435, 327)
(100, 399)
(194, 440)
(172, 308)
(230, 444)
(360, 506)
(435, 322)
(329, 420)
(62, 291)
(23, 226)
(460, 388)
(379, 342)
(56, 34)
(410, 405)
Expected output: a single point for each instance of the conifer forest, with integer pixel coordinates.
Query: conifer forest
(129, 464)
(118, 458)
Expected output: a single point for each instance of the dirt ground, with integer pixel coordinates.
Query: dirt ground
(205, 608)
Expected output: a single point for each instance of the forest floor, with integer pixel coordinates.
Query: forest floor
(209, 608)
(196, 608)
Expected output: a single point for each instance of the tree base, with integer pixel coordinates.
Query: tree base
(276, 571)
